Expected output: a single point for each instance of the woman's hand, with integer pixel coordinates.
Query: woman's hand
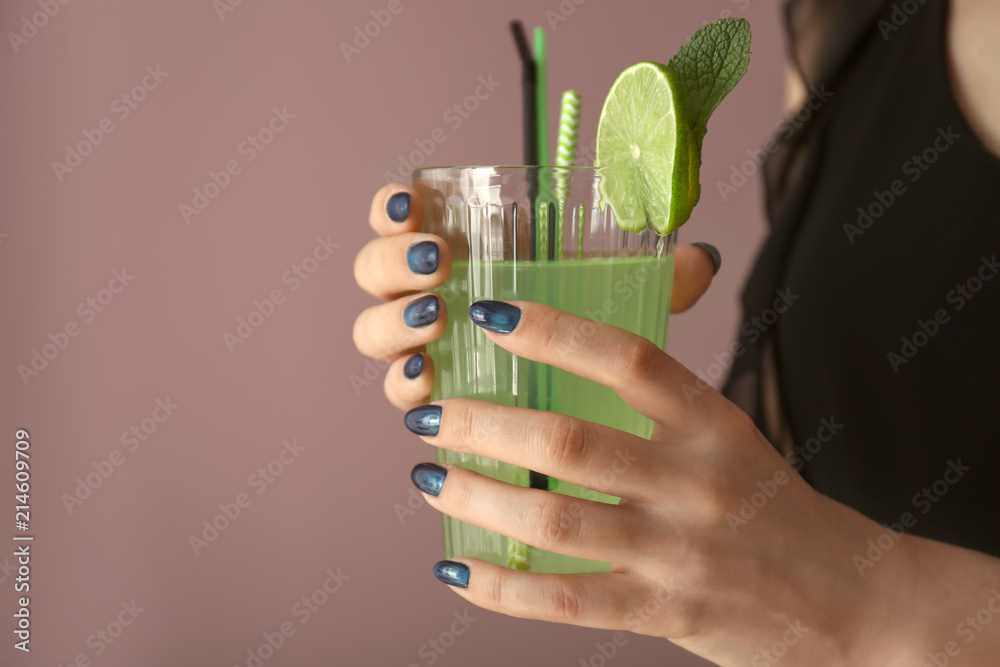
(403, 263)
(717, 544)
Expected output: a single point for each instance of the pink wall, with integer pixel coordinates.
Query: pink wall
(63, 237)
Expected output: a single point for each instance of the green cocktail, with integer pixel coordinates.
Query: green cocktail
(631, 293)
(593, 269)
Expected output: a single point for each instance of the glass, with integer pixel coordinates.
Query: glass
(536, 234)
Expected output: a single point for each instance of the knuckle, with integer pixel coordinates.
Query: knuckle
(565, 600)
(640, 360)
(554, 523)
(559, 333)
(461, 421)
(563, 442)
(458, 421)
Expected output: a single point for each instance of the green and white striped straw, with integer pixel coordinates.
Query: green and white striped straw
(569, 128)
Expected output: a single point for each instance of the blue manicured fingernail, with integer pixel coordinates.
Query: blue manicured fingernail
(452, 573)
(423, 257)
(424, 419)
(398, 206)
(495, 316)
(713, 252)
(414, 366)
(421, 312)
(428, 477)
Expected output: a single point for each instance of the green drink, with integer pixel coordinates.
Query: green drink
(592, 268)
(628, 293)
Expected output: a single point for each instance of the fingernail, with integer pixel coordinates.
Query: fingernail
(423, 257)
(421, 312)
(414, 366)
(713, 252)
(428, 477)
(452, 573)
(398, 206)
(495, 316)
(424, 419)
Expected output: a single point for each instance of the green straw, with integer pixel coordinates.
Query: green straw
(569, 127)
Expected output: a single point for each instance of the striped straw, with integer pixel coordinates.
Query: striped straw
(569, 127)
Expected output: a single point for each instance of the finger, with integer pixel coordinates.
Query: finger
(390, 330)
(409, 381)
(694, 267)
(646, 378)
(573, 450)
(607, 600)
(550, 521)
(396, 208)
(388, 267)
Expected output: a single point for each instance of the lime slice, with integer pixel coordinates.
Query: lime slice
(645, 149)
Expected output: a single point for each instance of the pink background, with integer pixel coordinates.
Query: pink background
(162, 336)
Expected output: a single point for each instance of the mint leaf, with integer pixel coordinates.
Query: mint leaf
(709, 66)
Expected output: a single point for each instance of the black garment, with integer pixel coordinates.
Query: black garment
(881, 340)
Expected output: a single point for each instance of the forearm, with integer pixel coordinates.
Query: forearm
(953, 608)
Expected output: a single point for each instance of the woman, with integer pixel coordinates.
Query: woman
(872, 538)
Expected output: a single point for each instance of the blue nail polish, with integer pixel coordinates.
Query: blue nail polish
(713, 252)
(424, 419)
(423, 257)
(495, 316)
(421, 312)
(398, 207)
(452, 573)
(414, 366)
(428, 477)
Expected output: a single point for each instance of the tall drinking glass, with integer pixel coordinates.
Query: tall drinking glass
(540, 234)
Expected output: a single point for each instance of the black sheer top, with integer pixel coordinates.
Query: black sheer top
(881, 380)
